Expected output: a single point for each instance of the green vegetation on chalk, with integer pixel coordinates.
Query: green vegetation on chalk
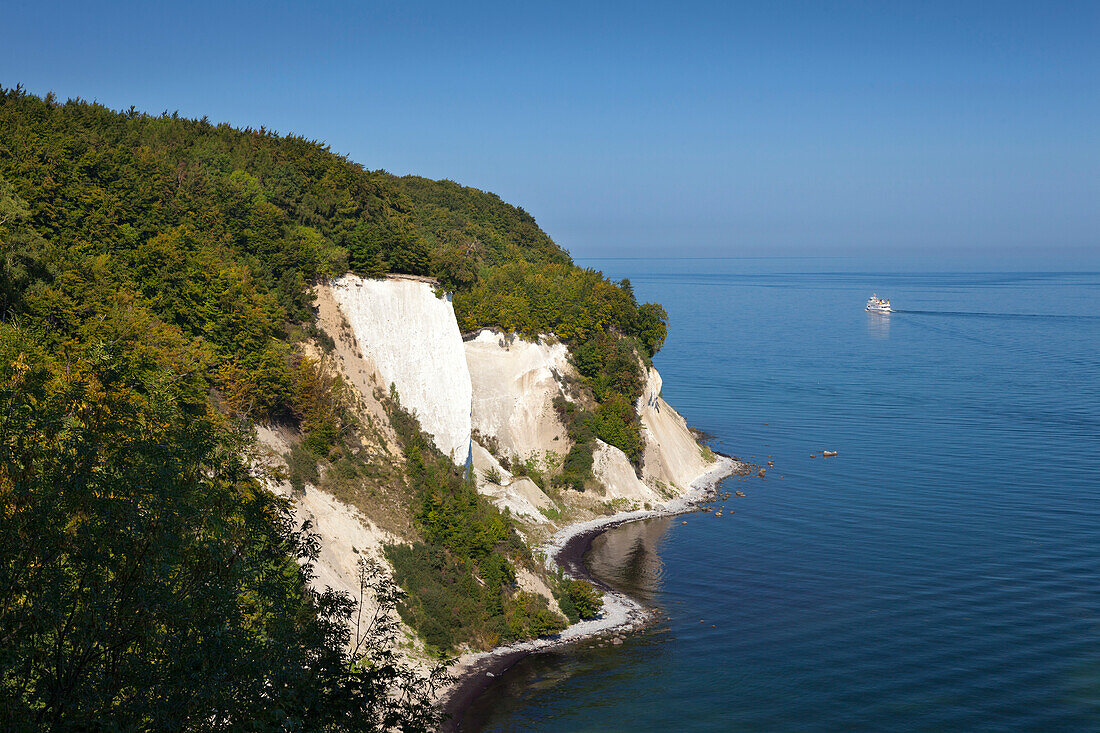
(576, 469)
(611, 369)
(572, 303)
(460, 579)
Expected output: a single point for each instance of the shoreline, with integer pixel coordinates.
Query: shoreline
(566, 549)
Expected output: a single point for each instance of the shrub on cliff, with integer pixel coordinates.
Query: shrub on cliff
(576, 468)
(578, 599)
(460, 580)
(610, 367)
(529, 615)
(444, 601)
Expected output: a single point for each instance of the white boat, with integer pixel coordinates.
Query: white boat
(876, 304)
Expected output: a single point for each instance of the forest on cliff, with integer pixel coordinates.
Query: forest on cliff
(155, 287)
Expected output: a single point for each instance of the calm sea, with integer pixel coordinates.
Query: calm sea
(943, 572)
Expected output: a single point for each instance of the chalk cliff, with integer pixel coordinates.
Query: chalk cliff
(397, 331)
(514, 386)
(412, 337)
(672, 455)
(504, 388)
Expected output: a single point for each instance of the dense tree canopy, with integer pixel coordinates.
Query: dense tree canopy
(222, 231)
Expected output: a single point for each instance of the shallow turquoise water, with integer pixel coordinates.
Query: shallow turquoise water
(943, 572)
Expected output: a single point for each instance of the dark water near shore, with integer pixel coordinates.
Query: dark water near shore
(943, 572)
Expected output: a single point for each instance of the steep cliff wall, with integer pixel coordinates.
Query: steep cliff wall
(514, 385)
(672, 455)
(412, 338)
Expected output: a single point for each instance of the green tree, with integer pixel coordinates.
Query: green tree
(12, 208)
(579, 599)
(651, 327)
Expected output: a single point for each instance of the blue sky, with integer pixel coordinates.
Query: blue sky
(651, 129)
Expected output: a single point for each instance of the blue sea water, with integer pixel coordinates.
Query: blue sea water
(941, 573)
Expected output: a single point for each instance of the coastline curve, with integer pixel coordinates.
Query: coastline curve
(566, 550)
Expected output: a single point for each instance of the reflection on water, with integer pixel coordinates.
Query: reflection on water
(625, 558)
(878, 325)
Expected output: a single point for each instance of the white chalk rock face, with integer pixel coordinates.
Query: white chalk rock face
(672, 456)
(519, 495)
(514, 386)
(613, 469)
(345, 535)
(522, 497)
(485, 462)
(413, 339)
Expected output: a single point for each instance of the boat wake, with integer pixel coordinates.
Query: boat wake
(976, 314)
